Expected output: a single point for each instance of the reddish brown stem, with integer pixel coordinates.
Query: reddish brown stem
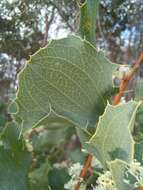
(116, 100)
(84, 171)
(140, 188)
(125, 81)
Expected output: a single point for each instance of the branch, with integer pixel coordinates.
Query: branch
(88, 16)
(117, 98)
(62, 14)
(125, 81)
(84, 171)
(47, 25)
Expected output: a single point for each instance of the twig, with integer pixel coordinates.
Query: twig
(62, 14)
(84, 171)
(47, 25)
(140, 188)
(117, 98)
(125, 81)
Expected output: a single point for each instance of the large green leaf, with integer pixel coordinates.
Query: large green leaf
(14, 160)
(113, 138)
(68, 76)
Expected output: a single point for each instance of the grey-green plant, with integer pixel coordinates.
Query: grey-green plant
(66, 89)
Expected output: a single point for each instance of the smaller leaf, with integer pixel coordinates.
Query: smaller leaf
(13, 107)
(57, 178)
(113, 139)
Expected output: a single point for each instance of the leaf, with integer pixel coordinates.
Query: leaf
(14, 160)
(39, 177)
(113, 138)
(69, 77)
(54, 130)
(118, 169)
(77, 156)
(47, 178)
(3, 121)
(2, 106)
(57, 178)
(49, 137)
(54, 121)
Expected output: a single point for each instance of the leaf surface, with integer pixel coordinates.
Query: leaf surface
(70, 77)
(112, 139)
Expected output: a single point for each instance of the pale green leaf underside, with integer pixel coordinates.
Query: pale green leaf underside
(69, 76)
(113, 138)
